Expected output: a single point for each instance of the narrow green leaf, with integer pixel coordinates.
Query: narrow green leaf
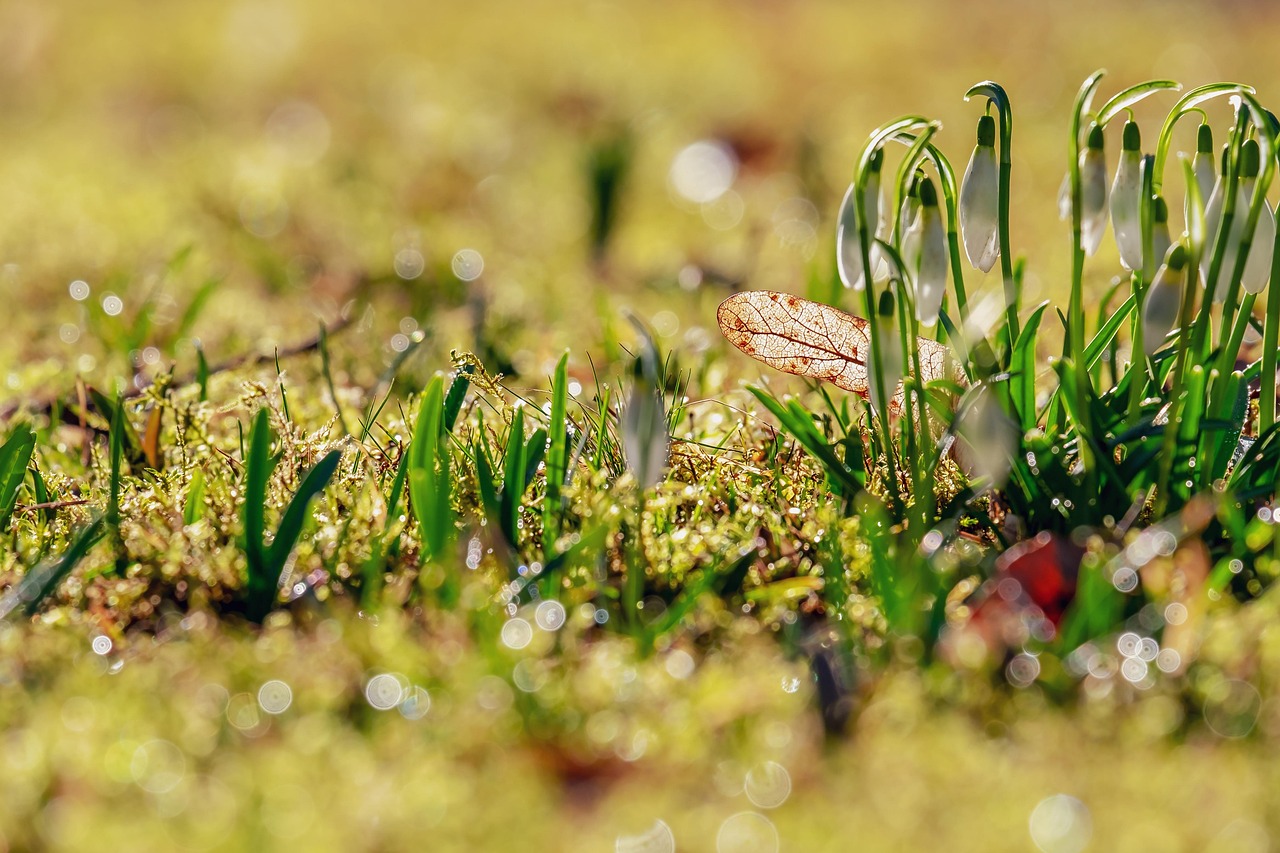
(454, 399)
(315, 482)
(557, 454)
(117, 440)
(15, 456)
(513, 474)
(42, 580)
(258, 466)
(429, 484)
(193, 509)
(202, 373)
(1023, 365)
(42, 495)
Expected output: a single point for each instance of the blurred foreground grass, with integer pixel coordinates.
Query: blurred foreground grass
(322, 160)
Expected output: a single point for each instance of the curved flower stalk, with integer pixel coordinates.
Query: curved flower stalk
(848, 244)
(931, 273)
(1160, 239)
(1093, 192)
(996, 96)
(889, 360)
(980, 200)
(1164, 299)
(1126, 197)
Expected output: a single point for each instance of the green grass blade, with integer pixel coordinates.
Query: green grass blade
(513, 473)
(1022, 364)
(488, 488)
(42, 495)
(557, 454)
(258, 465)
(202, 373)
(15, 456)
(117, 441)
(429, 484)
(193, 508)
(42, 580)
(457, 394)
(295, 515)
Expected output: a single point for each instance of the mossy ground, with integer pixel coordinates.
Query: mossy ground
(324, 163)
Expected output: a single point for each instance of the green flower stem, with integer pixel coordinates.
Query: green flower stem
(1194, 245)
(1189, 103)
(1200, 342)
(995, 94)
(1270, 342)
(1075, 310)
(1122, 103)
(916, 433)
(878, 138)
(906, 169)
(1267, 140)
(951, 198)
(1140, 281)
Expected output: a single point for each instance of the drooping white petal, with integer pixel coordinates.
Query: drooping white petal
(1212, 222)
(1126, 198)
(1159, 231)
(907, 214)
(1093, 197)
(1164, 301)
(1206, 175)
(874, 203)
(980, 208)
(849, 244)
(1064, 198)
(931, 281)
(911, 245)
(1257, 269)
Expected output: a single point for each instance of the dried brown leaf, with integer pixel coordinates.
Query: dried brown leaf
(810, 339)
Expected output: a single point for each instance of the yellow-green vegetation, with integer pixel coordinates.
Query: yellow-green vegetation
(374, 477)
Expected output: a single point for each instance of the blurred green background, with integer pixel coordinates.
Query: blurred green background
(299, 149)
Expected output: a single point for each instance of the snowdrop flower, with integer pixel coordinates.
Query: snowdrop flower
(910, 225)
(1212, 221)
(848, 244)
(1160, 240)
(1164, 300)
(980, 200)
(1257, 269)
(1203, 166)
(1126, 199)
(911, 204)
(884, 327)
(931, 273)
(1093, 192)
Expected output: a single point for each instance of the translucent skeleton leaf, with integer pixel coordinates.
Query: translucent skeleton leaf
(810, 339)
